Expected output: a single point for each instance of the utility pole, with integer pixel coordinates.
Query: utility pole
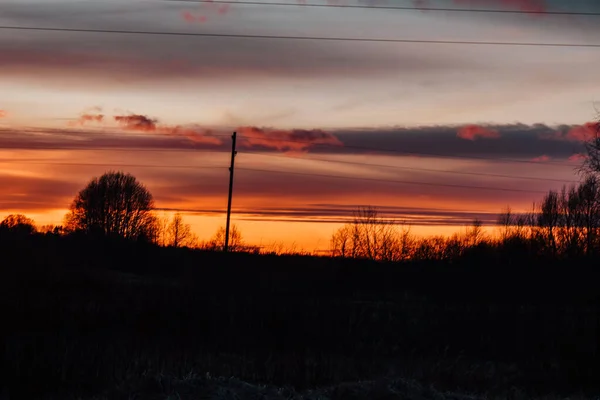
(233, 153)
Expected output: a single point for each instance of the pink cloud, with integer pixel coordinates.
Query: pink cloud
(142, 123)
(578, 157)
(542, 158)
(188, 16)
(285, 139)
(583, 133)
(87, 118)
(577, 133)
(473, 132)
(3, 114)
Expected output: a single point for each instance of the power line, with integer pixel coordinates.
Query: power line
(416, 168)
(315, 38)
(394, 181)
(404, 8)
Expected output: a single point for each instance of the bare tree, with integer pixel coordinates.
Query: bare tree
(548, 220)
(474, 234)
(588, 216)
(179, 233)
(236, 243)
(371, 237)
(115, 204)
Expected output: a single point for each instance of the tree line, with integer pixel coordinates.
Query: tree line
(117, 205)
(564, 224)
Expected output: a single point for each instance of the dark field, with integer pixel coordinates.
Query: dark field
(120, 321)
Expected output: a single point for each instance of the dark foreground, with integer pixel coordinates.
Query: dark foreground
(120, 321)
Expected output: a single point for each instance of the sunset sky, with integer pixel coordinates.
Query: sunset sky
(433, 134)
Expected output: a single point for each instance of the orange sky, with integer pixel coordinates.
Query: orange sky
(432, 135)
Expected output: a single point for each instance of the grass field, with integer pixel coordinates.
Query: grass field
(126, 321)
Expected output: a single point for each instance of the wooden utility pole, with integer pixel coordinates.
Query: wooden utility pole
(233, 154)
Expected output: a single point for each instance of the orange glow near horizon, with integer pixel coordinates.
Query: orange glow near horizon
(289, 196)
(277, 210)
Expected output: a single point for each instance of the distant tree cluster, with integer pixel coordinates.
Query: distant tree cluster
(373, 237)
(566, 223)
(117, 205)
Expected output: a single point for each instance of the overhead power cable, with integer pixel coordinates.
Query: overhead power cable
(313, 38)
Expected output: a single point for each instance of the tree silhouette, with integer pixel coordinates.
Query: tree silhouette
(372, 237)
(18, 224)
(179, 233)
(217, 242)
(115, 204)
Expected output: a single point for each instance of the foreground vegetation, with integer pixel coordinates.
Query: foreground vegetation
(91, 318)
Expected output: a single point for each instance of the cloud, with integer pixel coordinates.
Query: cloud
(142, 123)
(3, 114)
(285, 140)
(578, 157)
(136, 122)
(87, 118)
(205, 9)
(584, 133)
(472, 132)
(516, 141)
(575, 133)
(542, 158)
(190, 17)
(266, 138)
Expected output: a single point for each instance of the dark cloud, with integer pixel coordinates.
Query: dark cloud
(515, 141)
(136, 122)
